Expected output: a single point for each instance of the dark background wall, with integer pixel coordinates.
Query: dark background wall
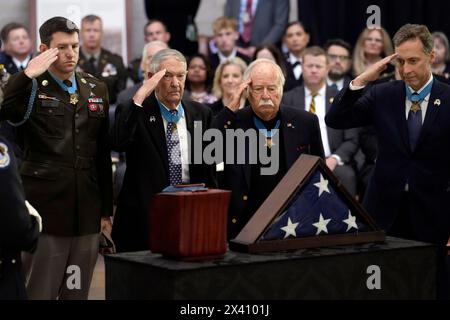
(347, 18)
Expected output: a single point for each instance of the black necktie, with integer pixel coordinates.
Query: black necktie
(92, 65)
(295, 64)
(414, 125)
(68, 83)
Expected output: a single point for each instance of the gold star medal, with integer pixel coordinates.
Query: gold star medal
(73, 98)
(415, 107)
(269, 143)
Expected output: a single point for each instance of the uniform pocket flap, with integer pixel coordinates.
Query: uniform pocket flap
(38, 170)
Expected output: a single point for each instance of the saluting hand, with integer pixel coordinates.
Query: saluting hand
(38, 65)
(374, 71)
(236, 100)
(148, 86)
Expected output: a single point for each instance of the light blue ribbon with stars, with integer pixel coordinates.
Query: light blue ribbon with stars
(262, 128)
(70, 90)
(418, 97)
(169, 116)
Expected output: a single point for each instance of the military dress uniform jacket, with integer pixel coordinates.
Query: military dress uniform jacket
(18, 231)
(66, 170)
(110, 69)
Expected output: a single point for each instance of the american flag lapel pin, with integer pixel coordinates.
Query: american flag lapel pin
(437, 102)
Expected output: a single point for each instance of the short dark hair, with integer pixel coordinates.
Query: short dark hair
(314, 51)
(56, 24)
(340, 43)
(415, 31)
(90, 18)
(4, 34)
(152, 21)
(301, 24)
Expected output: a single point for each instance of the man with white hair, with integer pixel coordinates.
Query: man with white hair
(150, 49)
(154, 129)
(298, 133)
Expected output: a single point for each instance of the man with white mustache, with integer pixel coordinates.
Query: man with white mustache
(289, 133)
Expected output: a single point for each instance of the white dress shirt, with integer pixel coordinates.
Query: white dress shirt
(224, 59)
(298, 68)
(22, 64)
(339, 83)
(184, 144)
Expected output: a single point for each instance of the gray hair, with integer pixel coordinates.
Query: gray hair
(280, 76)
(415, 31)
(163, 55)
(151, 44)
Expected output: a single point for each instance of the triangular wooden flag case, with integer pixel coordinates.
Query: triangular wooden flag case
(308, 193)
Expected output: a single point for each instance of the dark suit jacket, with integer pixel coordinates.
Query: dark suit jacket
(66, 170)
(301, 135)
(8, 62)
(18, 231)
(291, 81)
(269, 22)
(343, 143)
(425, 169)
(115, 80)
(144, 142)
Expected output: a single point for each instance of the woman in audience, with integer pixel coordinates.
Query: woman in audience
(440, 65)
(199, 80)
(269, 51)
(372, 46)
(227, 78)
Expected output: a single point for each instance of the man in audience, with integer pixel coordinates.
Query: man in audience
(98, 61)
(316, 97)
(339, 55)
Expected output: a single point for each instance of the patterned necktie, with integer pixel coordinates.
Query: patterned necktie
(312, 106)
(173, 152)
(247, 32)
(414, 122)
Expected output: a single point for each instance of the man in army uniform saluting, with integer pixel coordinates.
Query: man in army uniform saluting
(66, 170)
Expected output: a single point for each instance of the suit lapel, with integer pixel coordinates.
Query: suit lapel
(84, 91)
(247, 122)
(289, 136)
(398, 101)
(331, 133)
(102, 61)
(432, 109)
(53, 89)
(155, 126)
(191, 116)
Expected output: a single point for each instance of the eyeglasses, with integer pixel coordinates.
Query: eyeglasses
(338, 57)
(260, 89)
(377, 40)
